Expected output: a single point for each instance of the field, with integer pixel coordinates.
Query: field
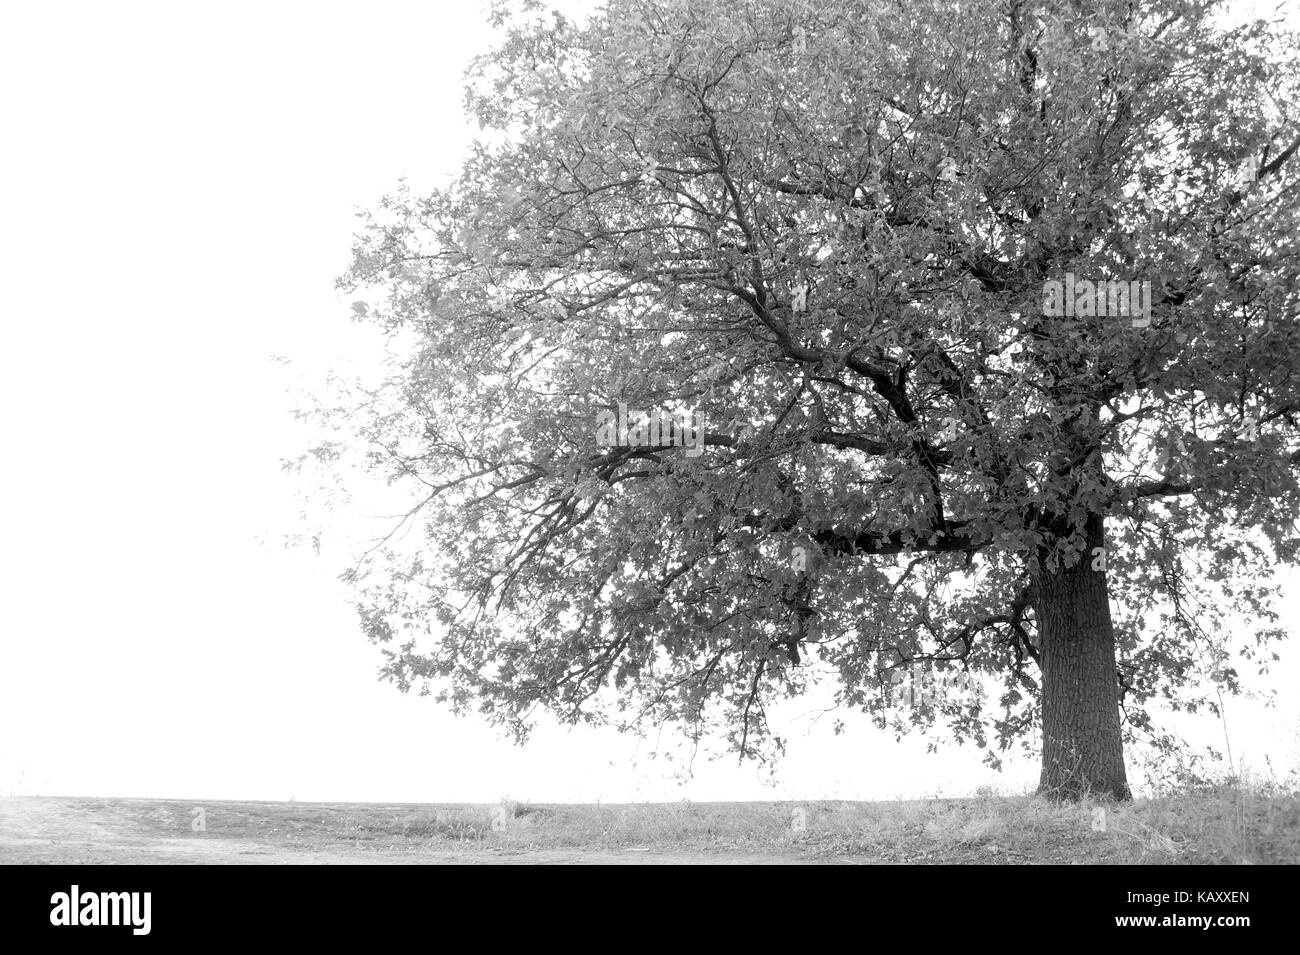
(1220, 826)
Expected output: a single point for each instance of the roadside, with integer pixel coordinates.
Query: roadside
(1226, 825)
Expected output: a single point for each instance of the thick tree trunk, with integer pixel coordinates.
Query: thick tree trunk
(1083, 749)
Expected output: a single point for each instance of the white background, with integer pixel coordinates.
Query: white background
(179, 184)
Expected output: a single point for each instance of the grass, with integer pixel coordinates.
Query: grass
(1225, 824)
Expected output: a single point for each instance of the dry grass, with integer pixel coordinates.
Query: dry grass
(1226, 824)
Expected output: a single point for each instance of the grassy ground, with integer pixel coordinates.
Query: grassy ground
(1226, 825)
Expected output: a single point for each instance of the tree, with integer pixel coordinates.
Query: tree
(877, 250)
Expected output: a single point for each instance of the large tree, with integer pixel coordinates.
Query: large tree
(839, 232)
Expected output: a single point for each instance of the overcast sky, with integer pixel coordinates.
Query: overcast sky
(178, 186)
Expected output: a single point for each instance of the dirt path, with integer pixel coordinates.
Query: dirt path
(63, 832)
(43, 830)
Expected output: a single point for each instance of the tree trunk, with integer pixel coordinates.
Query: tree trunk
(1083, 749)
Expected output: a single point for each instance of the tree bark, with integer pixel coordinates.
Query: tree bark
(1083, 748)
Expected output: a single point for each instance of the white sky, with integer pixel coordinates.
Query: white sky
(177, 191)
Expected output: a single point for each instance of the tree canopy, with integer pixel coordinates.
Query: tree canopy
(833, 232)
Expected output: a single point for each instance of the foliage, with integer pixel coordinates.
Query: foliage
(828, 230)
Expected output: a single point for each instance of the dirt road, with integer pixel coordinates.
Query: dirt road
(63, 831)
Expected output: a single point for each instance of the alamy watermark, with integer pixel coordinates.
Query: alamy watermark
(1076, 297)
(75, 907)
(925, 685)
(655, 429)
